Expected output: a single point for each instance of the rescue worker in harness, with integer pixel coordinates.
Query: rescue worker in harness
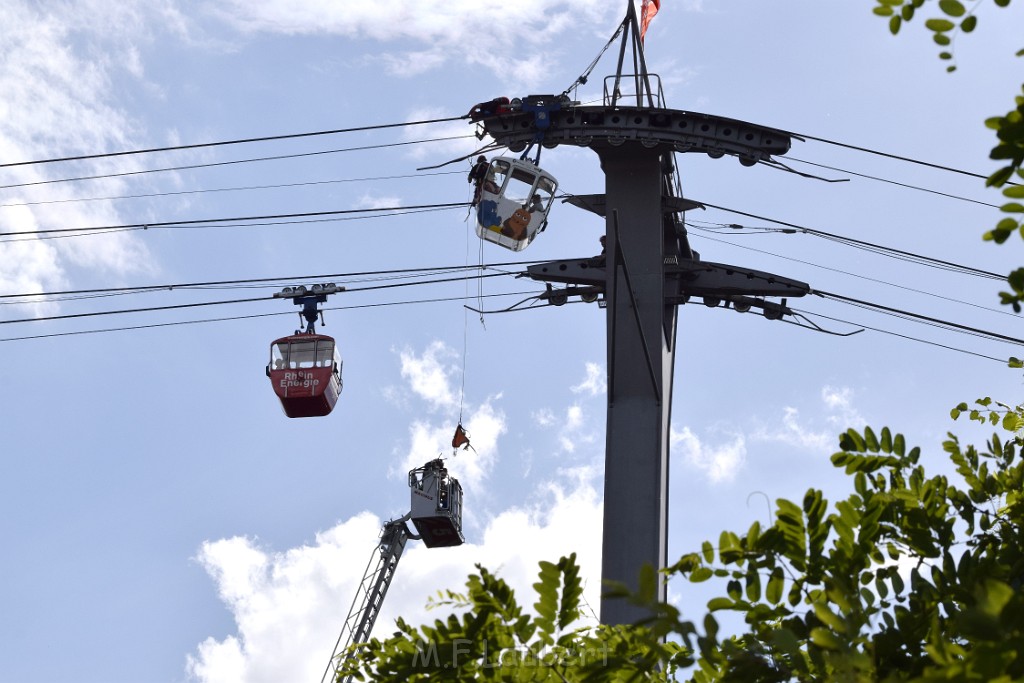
(477, 175)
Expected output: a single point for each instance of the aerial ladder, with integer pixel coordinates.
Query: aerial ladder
(436, 512)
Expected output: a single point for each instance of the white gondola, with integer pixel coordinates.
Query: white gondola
(515, 198)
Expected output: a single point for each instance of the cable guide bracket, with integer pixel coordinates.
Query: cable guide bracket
(705, 278)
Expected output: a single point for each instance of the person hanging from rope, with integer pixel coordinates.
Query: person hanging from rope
(461, 439)
(477, 176)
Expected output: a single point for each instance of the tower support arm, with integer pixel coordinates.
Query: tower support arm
(584, 271)
(685, 278)
(705, 278)
(595, 203)
(683, 131)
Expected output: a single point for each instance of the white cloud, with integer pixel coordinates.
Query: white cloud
(410, 64)
(721, 462)
(508, 38)
(30, 265)
(454, 138)
(381, 202)
(430, 22)
(595, 383)
(840, 401)
(575, 428)
(837, 413)
(484, 426)
(573, 421)
(674, 77)
(428, 375)
(56, 73)
(718, 463)
(544, 417)
(287, 601)
(289, 606)
(792, 432)
(575, 425)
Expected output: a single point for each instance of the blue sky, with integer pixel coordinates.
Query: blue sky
(160, 518)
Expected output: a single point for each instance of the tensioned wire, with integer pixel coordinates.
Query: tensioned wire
(213, 164)
(221, 143)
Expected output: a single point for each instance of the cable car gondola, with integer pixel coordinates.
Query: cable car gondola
(305, 368)
(515, 197)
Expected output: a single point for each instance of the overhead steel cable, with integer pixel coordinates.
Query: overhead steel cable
(870, 246)
(55, 237)
(438, 300)
(244, 188)
(244, 317)
(888, 155)
(200, 304)
(942, 324)
(209, 222)
(386, 213)
(239, 141)
(81, 232)
(965, 329)
(186, 167)
(384, 126)
(894, 334)
(892, 182)
(846, 272)
(212, 221)
(271, 280)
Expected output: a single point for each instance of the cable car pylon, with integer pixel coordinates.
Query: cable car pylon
(647, 270)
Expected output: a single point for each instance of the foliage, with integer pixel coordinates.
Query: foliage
(910, 578)
(956, 18)
(490, 637)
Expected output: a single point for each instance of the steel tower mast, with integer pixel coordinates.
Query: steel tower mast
(647, 271)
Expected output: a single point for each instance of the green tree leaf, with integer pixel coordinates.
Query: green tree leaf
(953, 8)
(940, 25)
(776, 584)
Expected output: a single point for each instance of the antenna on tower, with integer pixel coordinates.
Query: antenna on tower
(633, 35)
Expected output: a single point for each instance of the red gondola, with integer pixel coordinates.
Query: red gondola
(306, 374)
(305, 368)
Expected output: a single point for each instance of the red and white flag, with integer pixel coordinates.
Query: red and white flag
(648, 8)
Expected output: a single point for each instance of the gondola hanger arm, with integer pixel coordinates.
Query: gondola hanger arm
(811, 325)
(485, 149)
(514, 308)
(779, 166)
